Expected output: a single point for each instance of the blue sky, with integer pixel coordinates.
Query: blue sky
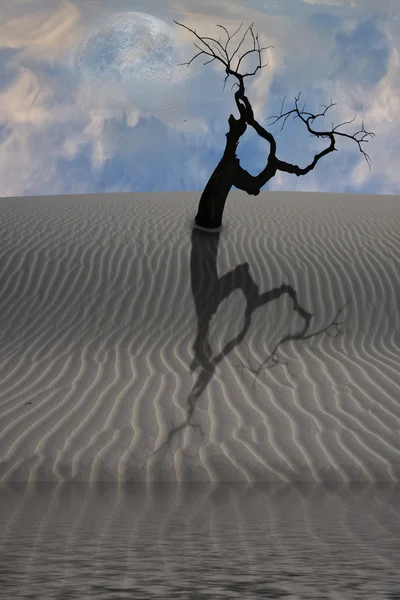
(92, 97)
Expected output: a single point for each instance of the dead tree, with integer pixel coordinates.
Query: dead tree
(229, 172)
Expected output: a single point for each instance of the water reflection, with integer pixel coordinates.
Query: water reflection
(199, 541)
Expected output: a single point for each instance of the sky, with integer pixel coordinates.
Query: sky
(94, 98)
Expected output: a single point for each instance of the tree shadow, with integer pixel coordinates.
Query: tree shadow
(209, 290)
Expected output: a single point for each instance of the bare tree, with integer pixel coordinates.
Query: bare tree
(229, 172)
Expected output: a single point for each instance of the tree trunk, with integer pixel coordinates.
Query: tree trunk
(228, 173)
(213, 198)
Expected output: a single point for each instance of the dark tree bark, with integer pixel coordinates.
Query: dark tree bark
(212, 201)
(229, 172)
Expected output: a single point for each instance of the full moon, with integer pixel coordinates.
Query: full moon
(131, 51)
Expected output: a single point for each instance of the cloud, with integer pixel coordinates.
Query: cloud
(64, 129)
(25, 100)
(39, 31)
(351, 3)
(383, 114)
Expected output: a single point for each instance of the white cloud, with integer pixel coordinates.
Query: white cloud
(44, 34)
(381, 115)
(56, 115)
(25, 100)
(22, 166)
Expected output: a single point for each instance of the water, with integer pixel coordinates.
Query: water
(195, 541)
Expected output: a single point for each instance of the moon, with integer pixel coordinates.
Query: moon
(134, 52)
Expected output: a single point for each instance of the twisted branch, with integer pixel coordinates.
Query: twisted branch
(299, 114)
(244, 180)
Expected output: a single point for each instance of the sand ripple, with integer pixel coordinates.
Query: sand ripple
(133, 349)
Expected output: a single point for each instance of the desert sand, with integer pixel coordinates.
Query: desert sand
(133, 348)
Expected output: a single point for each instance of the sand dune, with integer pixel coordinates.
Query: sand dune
(134, 348)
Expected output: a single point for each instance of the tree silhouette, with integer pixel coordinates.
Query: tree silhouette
(229, 172)
(209, 290)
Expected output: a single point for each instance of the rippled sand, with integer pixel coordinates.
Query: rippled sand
(133, 348)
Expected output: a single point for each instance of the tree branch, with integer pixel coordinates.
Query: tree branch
(211, 51)
(308, 117)
(244, 180)
(226, 59)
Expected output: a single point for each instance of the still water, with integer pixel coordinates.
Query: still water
(192, 541)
